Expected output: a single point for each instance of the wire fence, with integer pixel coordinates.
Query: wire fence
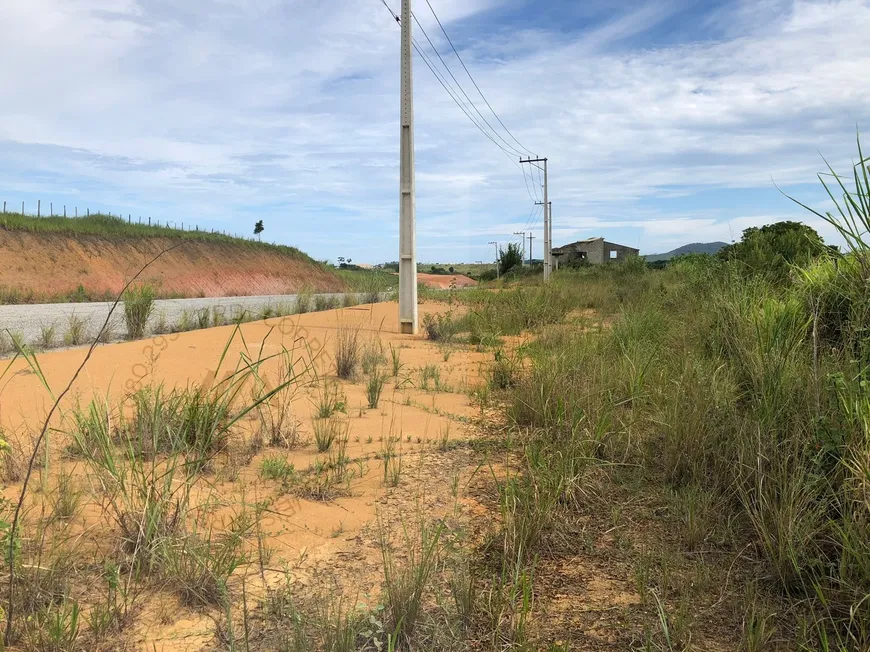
(147, 220)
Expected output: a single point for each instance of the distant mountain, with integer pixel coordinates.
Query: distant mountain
(694, 248)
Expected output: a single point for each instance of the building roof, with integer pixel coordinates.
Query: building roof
(572, 246)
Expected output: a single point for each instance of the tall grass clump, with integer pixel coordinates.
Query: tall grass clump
(375, 386)
(76, 330)
(138, 307)
(348, 349)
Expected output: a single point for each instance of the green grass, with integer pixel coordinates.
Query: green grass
(112, 227)
(138, 306)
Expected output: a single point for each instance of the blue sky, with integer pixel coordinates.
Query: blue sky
(665, 122)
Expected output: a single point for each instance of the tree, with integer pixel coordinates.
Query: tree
(773, 249)
(258, 228)
(509, 258)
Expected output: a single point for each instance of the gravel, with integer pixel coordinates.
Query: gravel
(29, 320)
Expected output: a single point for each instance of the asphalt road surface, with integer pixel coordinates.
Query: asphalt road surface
(29, 320)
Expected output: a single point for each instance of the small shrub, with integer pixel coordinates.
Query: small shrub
(439, 327)
(138, 307)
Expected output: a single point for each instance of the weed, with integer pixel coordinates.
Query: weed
(202, 318)
(161, 326)
(375, 386)
(276, 467)
(278, 425)
(326, 431)
(430, 373)
(138, 307)
(372, 356)
(304, 300)
(347, 351)
(53, 629)
(405, 583)
(329, 399)
(47, 336)
(396, 359)
(76, 330)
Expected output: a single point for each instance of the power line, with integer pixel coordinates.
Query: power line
(456, 52)
(446, 85)
(513, 149)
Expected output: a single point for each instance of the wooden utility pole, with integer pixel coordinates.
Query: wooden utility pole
(407, 206)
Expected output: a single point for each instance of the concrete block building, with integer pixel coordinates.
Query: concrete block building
(594, 251)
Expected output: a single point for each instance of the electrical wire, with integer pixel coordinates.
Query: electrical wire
(513, 149)
(456, 52)
(511, 155)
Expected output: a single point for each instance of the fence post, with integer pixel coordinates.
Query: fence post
(38, 208)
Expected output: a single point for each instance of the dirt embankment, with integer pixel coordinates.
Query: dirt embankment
(443, 281)
(54, 264)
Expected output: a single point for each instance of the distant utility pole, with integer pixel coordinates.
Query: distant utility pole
(548, 226)
(407, 206)
(547, 243)
(531, 237)
(522, 235)
(496, 258)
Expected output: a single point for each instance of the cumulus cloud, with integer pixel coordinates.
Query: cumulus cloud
(288, 111)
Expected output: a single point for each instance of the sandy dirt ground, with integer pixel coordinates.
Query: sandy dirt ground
(313, 544)
(443, 281)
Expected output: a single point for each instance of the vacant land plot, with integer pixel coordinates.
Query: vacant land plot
(188, 471)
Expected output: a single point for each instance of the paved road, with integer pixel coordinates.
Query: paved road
(29, 320)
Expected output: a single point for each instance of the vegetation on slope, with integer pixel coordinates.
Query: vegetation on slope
(108, 226)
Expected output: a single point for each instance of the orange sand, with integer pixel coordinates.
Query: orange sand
(311, 540)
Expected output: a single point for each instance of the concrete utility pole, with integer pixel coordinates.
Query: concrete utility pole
(547, 232)
(531, 237)
(496, 258)
(548, 225)
(407, 207)
(522, 235)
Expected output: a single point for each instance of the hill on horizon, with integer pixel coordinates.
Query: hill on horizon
(692, 248)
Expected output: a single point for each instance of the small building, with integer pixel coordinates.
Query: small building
(594, 251)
